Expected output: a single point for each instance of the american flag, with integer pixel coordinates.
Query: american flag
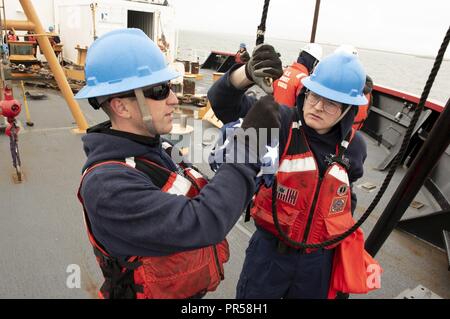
(287, 195)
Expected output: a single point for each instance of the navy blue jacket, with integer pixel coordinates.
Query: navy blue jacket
(130, 216)
(230, 103)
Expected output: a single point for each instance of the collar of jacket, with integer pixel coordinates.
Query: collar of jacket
(105, 128)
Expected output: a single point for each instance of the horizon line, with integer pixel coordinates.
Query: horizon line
(426, 56)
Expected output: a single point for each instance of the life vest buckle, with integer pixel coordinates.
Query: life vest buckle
(283, 249)
(339, 159)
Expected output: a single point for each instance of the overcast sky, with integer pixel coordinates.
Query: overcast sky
(409, 26)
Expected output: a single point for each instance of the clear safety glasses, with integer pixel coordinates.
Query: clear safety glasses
(329, 106)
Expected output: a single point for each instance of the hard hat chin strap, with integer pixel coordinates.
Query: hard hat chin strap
(145, 112)
(343, 114)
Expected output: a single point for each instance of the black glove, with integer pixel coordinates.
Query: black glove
(368, 86)
(262, 117)
(264, 63)
(245, 57)
(263, 114)
(249, 141)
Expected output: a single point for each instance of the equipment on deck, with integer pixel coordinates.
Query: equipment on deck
(10, 108)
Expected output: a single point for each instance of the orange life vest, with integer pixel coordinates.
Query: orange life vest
(237, 57)
(288, 86)
(363, 113)
(179, 275)
(313, 209)
(310, 209)
(354, 271)
(12, 37)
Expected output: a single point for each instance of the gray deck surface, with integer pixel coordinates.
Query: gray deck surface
(42, 230)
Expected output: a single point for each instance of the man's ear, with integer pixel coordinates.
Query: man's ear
(119, 108)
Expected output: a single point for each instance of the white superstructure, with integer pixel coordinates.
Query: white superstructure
(74, 20)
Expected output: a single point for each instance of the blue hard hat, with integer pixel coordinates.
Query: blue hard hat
(339, 77)
(242, 45)
(123, 60)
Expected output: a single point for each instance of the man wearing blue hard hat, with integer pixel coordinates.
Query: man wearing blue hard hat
(157, 227)
(309, 200)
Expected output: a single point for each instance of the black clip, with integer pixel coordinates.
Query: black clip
(341, 160)
(94, 103)
(282, 248)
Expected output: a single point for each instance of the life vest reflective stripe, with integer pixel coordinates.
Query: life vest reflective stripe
(177, 185)
(363, 113)
(130, 162)
(339, 174)
(297, 165)
(199, 179)
(288, 86)
(180, 275)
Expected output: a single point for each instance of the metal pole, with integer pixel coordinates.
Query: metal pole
(429, 154)
(57, 71)
(25, 102)
(4, 18)
(316, 17)
(93, 10)
(19, 25)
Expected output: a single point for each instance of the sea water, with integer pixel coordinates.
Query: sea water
(399, 71)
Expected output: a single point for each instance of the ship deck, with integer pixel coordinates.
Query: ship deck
(42, 230)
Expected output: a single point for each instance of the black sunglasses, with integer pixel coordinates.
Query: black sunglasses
(156, 92)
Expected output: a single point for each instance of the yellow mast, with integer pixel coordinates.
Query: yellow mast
(35, 25)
